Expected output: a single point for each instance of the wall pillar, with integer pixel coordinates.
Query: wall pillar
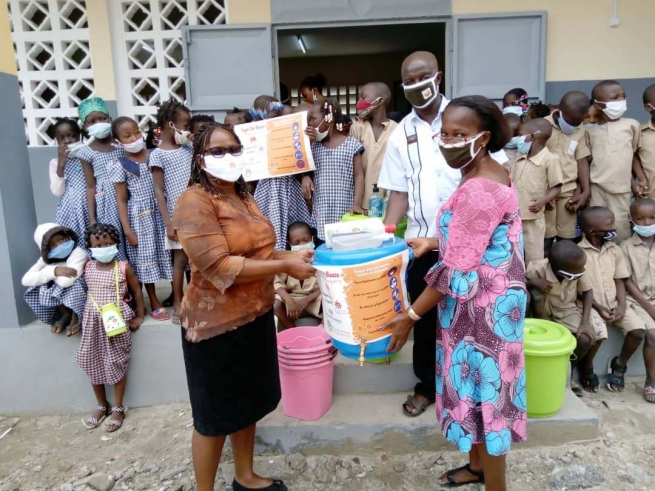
(102, 59)
(17, 214)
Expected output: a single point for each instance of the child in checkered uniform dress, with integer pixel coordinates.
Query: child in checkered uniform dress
(339, 176)
(171, 170)
(143, 226)
(104, 358)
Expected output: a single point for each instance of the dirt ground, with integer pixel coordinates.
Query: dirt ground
(152, 452)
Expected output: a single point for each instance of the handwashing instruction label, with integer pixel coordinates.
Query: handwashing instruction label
(357, 300)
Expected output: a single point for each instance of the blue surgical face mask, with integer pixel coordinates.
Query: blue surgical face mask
(644, 230)
(104, 254)
(100, 131)
(62, 251)
(523, 146)
(513, 143)
(567, 129)
(309, 245)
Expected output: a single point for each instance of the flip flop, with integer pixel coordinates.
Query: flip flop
(74, 330)
(160, 314)
(649, 393)
(177, 319)
(450, 475)
(60, 326)
(418, 405)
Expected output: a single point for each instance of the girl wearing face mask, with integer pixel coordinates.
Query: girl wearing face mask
(280, 199)
(339, 178)
(294, 298)
(95, 158)
(479, 289)
(57, 291)
(105, 358)
(171, 167)
(143, 225)
(67, 178)
(228, 338)
(516, 102)
(311, 88)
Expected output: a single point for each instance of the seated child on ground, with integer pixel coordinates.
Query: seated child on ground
(296, 298)
(607, 272)
(57, 290)
(640, 259)
(555, 285)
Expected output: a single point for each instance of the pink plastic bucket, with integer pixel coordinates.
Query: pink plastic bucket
(309, 363)
(293, 359)
(307, 390)
(303, 340)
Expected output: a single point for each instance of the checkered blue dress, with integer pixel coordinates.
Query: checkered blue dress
(106, 207)
(280, 200)
(72, 210)
(44, 300)
(334, 182)
(150, 259)
(176, 165)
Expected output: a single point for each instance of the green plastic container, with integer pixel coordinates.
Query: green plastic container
(548, 347)
(400, 229)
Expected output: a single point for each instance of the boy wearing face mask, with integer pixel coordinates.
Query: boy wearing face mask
(607, 271)
(295, 298)
(615, 168)
(640, 260)
(537, 175)
(569, 142)
(647, 145)
(555, 285)
(373, 130)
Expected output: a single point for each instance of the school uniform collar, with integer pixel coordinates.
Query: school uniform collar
(636, 240)
(414, 118)
(585, 244)
(551, 276)
(650, 124)
(536, 159)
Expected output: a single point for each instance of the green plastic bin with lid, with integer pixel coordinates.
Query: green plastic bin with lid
(548, 347)
(400, 229)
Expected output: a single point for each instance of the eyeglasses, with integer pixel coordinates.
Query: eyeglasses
(234, 150)
(446, 140)
(570, 276)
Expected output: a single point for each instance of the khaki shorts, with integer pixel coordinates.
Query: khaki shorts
(635, 318)
(617, 203)
(571, 319)
(534, 232)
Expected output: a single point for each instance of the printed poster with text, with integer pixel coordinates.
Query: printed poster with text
(275, 147)
(357, 300)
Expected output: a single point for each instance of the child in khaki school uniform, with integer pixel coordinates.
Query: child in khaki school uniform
(555, 285)
(647, 144)
(569, 143)
(514, 122)
(537, 175)
(613, 143)
(640, 260)
(607, 271)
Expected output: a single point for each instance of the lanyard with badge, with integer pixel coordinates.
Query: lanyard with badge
(112, 318)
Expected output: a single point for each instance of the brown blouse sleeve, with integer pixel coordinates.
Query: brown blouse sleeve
(196, 222)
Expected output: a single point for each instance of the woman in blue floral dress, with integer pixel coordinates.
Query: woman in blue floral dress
(479, 287)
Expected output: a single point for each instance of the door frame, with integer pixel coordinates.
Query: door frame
(448, 41)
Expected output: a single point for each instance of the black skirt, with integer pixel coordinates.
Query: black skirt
(233, 378)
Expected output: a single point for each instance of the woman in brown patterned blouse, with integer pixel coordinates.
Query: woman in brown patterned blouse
(228, 335)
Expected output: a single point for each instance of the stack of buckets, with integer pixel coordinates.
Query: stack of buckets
(306, 358)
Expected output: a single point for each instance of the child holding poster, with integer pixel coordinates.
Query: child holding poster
(339, 176)
(295, 298)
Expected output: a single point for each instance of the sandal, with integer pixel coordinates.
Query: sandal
(114, 424)
(177, 319)
(73, 330)
(649, 393)
(160, 314)
(60, 326)
(576, 389)
(615, 375)
(277, 485)
(416, 404)
(590, 382)
(92, 423)
(450, 475)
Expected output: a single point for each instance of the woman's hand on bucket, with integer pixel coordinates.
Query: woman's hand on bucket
(401, 326)
(423, 245)
(298, 265)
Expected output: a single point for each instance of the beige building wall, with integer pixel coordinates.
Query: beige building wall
(581, 43)
(248, 11)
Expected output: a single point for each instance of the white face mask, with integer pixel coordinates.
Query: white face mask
(181, 137)
(321, 135)
(615, 109)
(228, 168)
(135, 146)
(309, 245)
(100, 131)
(518, 110)
(73, 149)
